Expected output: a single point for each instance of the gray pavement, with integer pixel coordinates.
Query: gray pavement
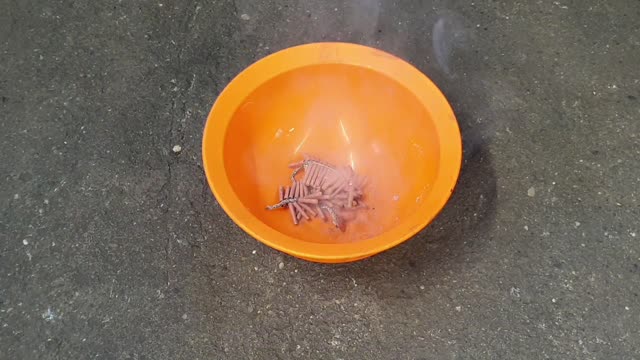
(112, 246)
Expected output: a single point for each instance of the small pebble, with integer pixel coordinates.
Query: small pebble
(16, 196)
(421, 287)
(577, 224)
(281, 266)
(553, 300)
(531, 192)
(526, 227)
(184, 317)
(458, 308)
(245, 17)
(253, 252)
(177, 149)
(25, 241)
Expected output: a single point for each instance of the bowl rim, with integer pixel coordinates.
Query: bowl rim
(247, 81)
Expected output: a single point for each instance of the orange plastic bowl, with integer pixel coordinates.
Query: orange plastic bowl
(349, 105)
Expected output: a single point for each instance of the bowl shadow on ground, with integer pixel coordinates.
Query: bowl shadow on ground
(449, 244)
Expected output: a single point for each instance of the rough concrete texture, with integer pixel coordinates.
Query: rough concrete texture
(112, 246)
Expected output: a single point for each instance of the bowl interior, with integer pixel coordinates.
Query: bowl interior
(343, 114)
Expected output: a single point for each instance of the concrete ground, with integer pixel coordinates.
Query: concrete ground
(112, 246)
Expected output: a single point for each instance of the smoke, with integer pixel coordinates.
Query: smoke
(362, 17)
(448, 35)
(439, 42)
(458, 65)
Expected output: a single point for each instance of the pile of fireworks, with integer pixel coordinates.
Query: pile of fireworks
(325, 191)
